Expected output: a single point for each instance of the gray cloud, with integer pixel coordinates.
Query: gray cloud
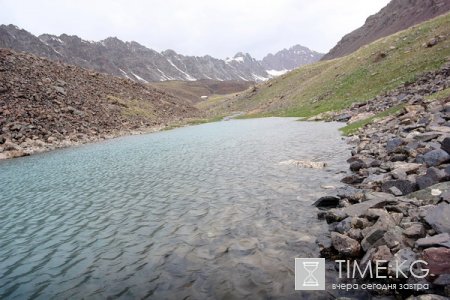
(197, 27)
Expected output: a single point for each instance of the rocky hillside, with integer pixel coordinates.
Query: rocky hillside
(46, 105)
(139, 63)
(396, 16)
(290, 59)
(336, 84)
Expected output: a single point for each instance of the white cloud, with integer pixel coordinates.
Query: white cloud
(197, 27)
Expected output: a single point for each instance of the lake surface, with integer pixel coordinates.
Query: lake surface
(198, 212)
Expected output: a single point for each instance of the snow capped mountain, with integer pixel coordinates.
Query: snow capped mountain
(139, 63)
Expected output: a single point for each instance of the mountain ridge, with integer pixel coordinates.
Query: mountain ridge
(397, 15)
(139, 63)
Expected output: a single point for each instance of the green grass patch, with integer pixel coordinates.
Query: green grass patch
(354, 127)
(336, 84)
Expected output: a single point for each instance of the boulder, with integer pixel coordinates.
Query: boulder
(352, 179)
(345, 245)
(393, 144)
(403, 185)
(382, 253)
(434, 157)
(438, 216)
(445, 145)
(438, 260)
(432, 176)
(416, 230)
(327, 202)
(401, 261)
(442, 239)
(344, 225)
(430, 195)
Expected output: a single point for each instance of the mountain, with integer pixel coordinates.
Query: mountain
(46, 105)
(137, 62)
(331, 85)
(289, 59)
(395, 16)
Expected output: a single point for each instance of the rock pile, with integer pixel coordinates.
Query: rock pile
(46, 105)
(397, 207)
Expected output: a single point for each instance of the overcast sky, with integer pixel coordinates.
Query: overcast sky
(197, 27)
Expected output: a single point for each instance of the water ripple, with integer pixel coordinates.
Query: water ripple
(193, 213)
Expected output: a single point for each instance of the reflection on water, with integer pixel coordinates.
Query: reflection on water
(194, 213)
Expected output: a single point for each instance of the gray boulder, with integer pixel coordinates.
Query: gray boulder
(433, 157)
(345, 245)
(438, 217)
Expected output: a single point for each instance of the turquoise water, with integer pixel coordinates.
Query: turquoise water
(193, 213)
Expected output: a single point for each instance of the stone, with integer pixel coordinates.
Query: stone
(372, 237)
(416, 230)
(304, 163)
(405, 186)
(434, 157)
(438, 260)
(443, 279)
(345, 245)
(327, 202)
(445, 145)
(426, 136)
(433, 176)
(344, 225)
(395, 191)
(394, 237)
(373, 201)
(357, 165)
(335, 215)
(360, 116)
(438, 217)
(393, 144)
(351, 193)
(352, 179)
(442, 239)
(401, 261)
(355, 233)
(382, 253)
(360, 223)
(427, 196)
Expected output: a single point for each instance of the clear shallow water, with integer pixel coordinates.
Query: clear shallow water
(193, 213)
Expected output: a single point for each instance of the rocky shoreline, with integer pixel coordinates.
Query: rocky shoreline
(46, 105)
(396, 206)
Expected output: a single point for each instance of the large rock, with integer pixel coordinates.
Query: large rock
(393, 144)
(345, 245)
(327, 202)
(415, 230)
(405, 186)
(445, 145)
(438, 217)
(434, 157)
(438, 260)
(401, 261)
(442, 239)
(432, 176)
(432, 194)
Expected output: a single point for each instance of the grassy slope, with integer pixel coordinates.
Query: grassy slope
(335, 84)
